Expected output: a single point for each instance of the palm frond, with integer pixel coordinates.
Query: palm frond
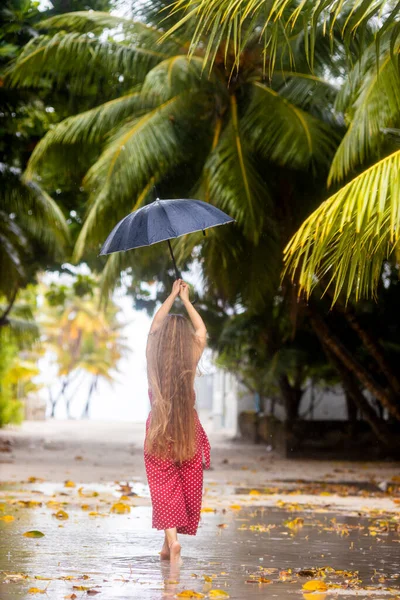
(373, 105)
(86, 59)
(89, 127)
(34, 210)
(173, 76)
(229, 22)
(238, 271)
(345, 241)
(281, 131)
(111, 274)
(309, 92)
(95, 22)
(13, 249)
(143, 149)
(232, 181)
(132, 31)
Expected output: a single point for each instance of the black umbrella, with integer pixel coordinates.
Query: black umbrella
(161, 221)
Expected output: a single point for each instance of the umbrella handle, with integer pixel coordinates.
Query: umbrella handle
(177, 274)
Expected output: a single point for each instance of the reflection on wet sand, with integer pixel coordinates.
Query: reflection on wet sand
(239, 551)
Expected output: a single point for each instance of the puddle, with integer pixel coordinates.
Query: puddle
(49, 488)
(117, 555)
(342, 488)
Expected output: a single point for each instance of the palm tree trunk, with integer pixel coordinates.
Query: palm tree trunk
(53, 404)
(292, 397)
(329, 340)
(93, 385)
(354, 394)
(373, 346)
(4, 316)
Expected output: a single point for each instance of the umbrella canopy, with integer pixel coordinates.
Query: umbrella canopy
(160, 221)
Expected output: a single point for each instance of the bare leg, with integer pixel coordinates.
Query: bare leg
(173, 544)
(165, 554)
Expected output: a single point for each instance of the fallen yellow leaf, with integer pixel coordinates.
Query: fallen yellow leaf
(235, 507)
(295, 523)
(61, 514)
(7, 518)
(34, 590)
(15, 576)
(69, 483)
(207, 509)
(315, 586)
(88, 494)
(254, 493)
(313, 596)
(54, 504)
(29, 503)
(120, 508)
(190, 594)
(80, 588)
(33, 534)
(218, 594)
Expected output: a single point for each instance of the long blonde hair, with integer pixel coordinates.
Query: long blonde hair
(171, 368)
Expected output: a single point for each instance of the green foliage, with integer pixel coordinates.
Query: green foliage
(213, 137)
(82, 337)
(231, 23)
(345, 241)
(18, 355)
(370, 100)
(11, 409)
(31, 223)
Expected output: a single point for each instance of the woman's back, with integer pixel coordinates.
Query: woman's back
(172, 356)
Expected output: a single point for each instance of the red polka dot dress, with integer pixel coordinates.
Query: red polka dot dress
(176, 489)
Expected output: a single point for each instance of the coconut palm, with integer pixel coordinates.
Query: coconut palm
(274, 23)
(346, 241)
(349, 237)
(220, 136)
(82, 339)
(31, 224)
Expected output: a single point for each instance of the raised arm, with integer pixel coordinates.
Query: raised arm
(166, 306)
(197, 321)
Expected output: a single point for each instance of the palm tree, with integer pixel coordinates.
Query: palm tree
(347, 239)
(33, 230)
(32, 226)
(224, 137)
(233, 22)
(83, 341)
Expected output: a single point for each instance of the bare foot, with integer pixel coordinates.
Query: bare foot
(165, 553)
(175, 552)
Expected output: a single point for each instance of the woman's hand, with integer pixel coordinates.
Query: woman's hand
(176, 288)
(184, 291)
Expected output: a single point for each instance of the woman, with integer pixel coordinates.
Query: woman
(175, 439)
